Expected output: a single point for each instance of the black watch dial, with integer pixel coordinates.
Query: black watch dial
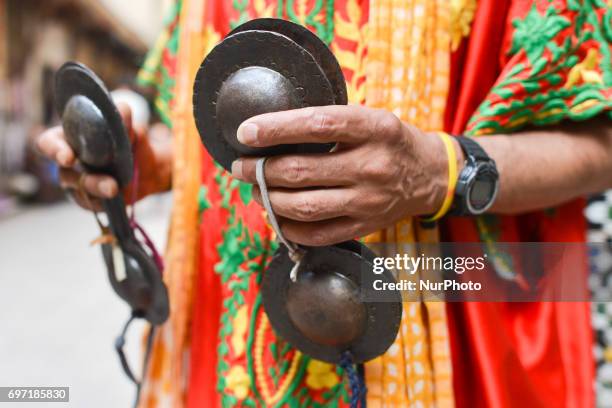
(483, 189)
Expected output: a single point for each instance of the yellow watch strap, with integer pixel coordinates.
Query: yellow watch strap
(451, 155)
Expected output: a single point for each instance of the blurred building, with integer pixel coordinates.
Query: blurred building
(36, 38)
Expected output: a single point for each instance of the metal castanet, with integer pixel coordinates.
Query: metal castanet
(323, 313)
(94, 130)
(312, 295)
(92, 124)
(251, 73)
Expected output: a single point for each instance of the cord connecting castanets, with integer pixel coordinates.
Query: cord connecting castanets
(296, 253)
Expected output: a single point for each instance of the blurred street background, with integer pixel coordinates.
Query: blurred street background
(112, 37)
(58, 314)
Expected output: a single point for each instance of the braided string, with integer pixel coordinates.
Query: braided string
(358, 388)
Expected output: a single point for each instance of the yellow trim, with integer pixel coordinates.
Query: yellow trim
(260, 372)
(451, 155)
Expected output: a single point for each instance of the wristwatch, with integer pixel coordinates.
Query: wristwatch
(478, 182)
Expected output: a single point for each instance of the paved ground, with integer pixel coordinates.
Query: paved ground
(58, 314)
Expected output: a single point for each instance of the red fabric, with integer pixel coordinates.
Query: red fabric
(475, 65)
(207, 306)
(514, 354)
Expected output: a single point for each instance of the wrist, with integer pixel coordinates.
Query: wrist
(478, 183)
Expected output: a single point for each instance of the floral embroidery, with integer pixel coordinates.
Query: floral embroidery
(309, 14)
(585, 72)
(238, 381)
(545, 83)
(159, 68)
(240, 327)
(321, 375)
(536, 31)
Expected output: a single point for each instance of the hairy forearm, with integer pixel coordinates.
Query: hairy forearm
(542, 168)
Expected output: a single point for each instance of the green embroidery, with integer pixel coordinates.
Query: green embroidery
(246, 192)
(243, 15)
(535, 32)
(249, 348)
(203, 203)
(506, 109)
(227, 184)
(276, 373)
(158, 67)
(324, 30)
(238, 249)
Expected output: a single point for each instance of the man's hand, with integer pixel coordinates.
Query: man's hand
(154, 159)
(381, 171)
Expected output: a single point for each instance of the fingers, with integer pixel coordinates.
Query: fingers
(320, 170)
(85, 201)
(321, 124)
(99, 186)
(53, 145)
(320, 233)
(126, 115)
(309, 205)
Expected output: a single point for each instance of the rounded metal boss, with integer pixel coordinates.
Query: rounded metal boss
(256, 71)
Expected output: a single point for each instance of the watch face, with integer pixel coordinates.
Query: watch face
(483, 190)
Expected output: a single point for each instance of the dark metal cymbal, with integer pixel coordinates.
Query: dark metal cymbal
(94, 129)
(92, 124)
(258, 71)
(322, 314)
(313, 44)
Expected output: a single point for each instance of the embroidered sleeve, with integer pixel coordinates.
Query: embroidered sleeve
(559, 66)
(159, 67)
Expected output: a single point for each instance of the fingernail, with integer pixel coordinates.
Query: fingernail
(107, 187)
(237, 169)
(63, 157)
(247, 133)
